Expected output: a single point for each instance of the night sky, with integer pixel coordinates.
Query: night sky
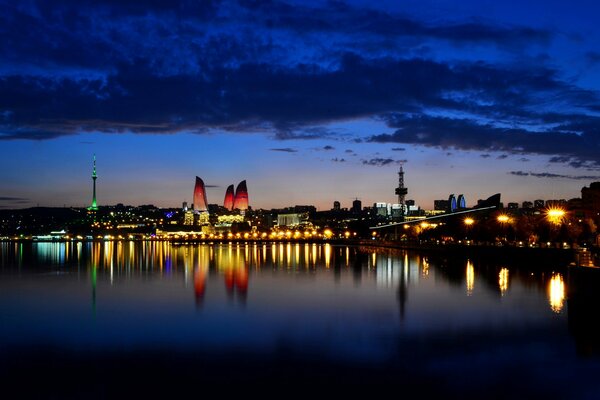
(310, 102)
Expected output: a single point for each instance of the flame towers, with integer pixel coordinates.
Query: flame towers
(240, 201)
(200, 202)
(237, 199)
(229, 198)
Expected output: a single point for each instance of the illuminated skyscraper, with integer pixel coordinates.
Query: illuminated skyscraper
(200, 202)
(228, 203)
(240, 201)
(94, 205)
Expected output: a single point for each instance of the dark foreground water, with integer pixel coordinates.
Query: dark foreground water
(105, 320)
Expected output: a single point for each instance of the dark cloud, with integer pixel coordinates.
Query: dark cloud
(579, 140)
(286, 70)
(381, 161)
(14, 199)
(349, 151)
(338, 159)
(502, 156)
(593, 57)
(523, 159)
(328, 147)
(212, 186)
(398, 149)
(285, 150)
(485, 155)
(554, 176)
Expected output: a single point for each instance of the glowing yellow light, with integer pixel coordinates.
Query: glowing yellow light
(469, 221)
(503, 280)
(556, 293)
(347, 234)
(424, 225)
(470, 278)
(503, 218)
(374, 233)
(327, 233)
(555, 215)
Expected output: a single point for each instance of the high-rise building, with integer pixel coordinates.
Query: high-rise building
(240, 200)
(538, 203)
(200, 202)
(461, 202)
(184, 206)
(440, 205)
(188, 218)
(513, 206)
(527, 205)
(229, 197)
(356, 206)
(452, 203)
(337, 206)
(94, 205)
(590, 196)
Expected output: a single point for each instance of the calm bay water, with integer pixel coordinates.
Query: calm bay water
(463, 328)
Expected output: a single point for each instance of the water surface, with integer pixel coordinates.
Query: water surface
(328, 314)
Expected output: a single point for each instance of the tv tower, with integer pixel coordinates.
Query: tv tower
(94, 206)
(401, 191)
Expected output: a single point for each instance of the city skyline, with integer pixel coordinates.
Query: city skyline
(311, 103)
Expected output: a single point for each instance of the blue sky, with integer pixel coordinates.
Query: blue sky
(310, 102)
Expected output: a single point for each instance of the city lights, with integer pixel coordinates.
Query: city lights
(555, 215)
(469, 221)
(556, 293)
(503, 218)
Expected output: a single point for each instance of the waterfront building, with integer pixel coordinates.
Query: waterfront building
(440, 205)
(240, 201)
(200, 202)
(356, 206)
(188, 218)
(538, 203)
(229, 198)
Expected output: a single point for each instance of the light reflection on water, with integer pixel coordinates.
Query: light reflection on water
(336, 301)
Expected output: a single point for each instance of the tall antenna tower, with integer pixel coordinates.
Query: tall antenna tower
(94, 205)
(401, 191)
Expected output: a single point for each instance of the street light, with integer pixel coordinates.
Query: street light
(555, 215)
(503, 218)
(468, 222)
